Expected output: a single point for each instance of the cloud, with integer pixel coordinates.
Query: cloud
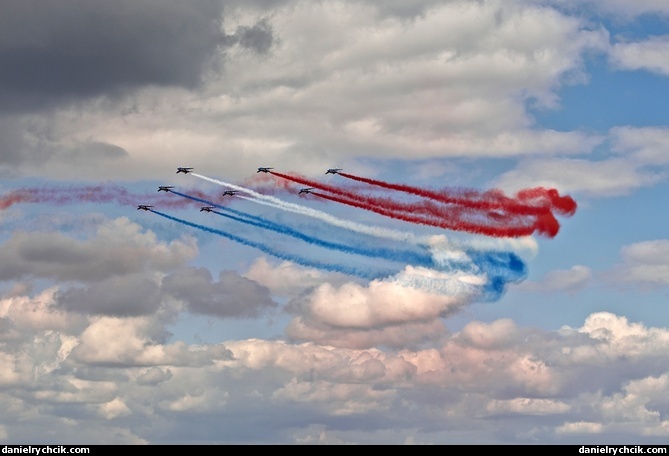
(120, 247)
(638, 408)
(99, 358)
(231, 296)
(574, 279)
(287, 279)
(407, 334)
(74, 49)
(612, 177)
(645, 145)
(137, 341)
(129, 295)
(258, 37)
(24, 315)
(382, 313)
(645, 263)
(378, 304)
(642, 55)
(548, 385)
(154, 376)
(371, 80)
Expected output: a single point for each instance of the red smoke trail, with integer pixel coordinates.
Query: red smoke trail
(106, 193)
(424, 207)
(534, 201)
(513, 222)
(545, 225)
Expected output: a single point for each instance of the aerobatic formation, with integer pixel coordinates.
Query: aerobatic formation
(430, 262)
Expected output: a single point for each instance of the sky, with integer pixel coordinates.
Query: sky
(490, 265)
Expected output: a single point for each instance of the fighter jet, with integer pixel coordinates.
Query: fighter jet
(164, 188)
(184, 170)
(144, 207)
(263, 170)
(207, 208)
(230, 192)
(333, 171)
(306, 190)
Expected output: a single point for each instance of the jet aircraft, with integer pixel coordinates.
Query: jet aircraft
(164, 188)
(263, 170)
(306, 190)
(333, 171)
(230, 192)
(181, 169)
(144, 207)
(207, 208)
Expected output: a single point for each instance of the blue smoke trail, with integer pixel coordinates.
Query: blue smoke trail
(500, 268)
(364, 274)
(404, 257)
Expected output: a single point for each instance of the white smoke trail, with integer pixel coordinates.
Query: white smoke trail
(438, 244)
(371, 230)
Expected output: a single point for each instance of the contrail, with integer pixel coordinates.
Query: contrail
(357, 272)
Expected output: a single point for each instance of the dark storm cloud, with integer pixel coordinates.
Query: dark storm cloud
(231, 296)
(68, 49)
(127, 296)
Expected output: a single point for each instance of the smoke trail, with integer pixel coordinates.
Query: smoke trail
(500, 267)
(107, 193)
(513, 221)
(401, 256)
(545, 225)
(325, 217)
(468, 206)
(535, 199)
(357, 272)
(490, 287)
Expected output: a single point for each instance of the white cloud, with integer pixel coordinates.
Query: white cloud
(527, 406)
(121, 371)
(500, 333)
(285, 279)
(612, 177)
(614, 337)
(38, 313)
(114, 409)
(379, 304)
(645, 263)
(342, 81)
(136, 342)
(580, 427)
(647, 55)
(574, 279)
(646, 145)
